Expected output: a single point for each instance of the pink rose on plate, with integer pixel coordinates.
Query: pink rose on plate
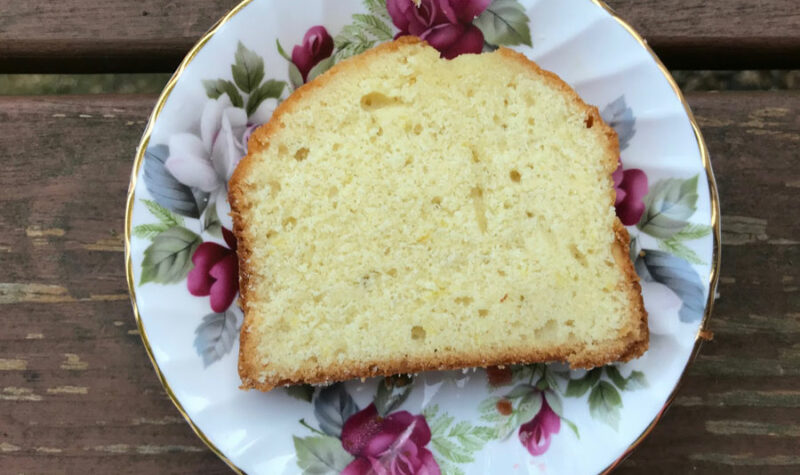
(391, 445)
(444, 24)
(215, 272)
(317, 45)
(631, 187)
(535, 434)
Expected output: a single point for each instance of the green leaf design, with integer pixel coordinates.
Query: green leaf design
(692, 231)
(456, 443)
(361, 35)
(430, 412)
(295, 76)
(525, 372)
(605, 404)
(374, 26)
(448, 468)
(554, 402)
(163, 215)
(450, 450)
(215, 336)
(391, 393)
(637, 380)
(211, 221)
(248, 70)
(378, 9)
(673, 246)
(668, 206)
(519, 391)
(320, 68)
(168, 258)
(303, 392)
(504, 425)
(321, 455)
(271, 89)
(148, 231)
(529, 406)
(217, 87)
(616, 377)
(437, 423)
(550, 378)
(504, 22)
(572, 426)
(578, 387)
(281, 51)
(472, 438)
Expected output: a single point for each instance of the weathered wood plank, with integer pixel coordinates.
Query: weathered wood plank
(152, 36)
(77, 392)
(718, 34)
(739, 407)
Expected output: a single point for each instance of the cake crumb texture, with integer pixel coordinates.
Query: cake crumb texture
(403, 212)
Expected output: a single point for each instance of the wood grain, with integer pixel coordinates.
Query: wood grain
(77, 392)
(152, 35)
(718, 34)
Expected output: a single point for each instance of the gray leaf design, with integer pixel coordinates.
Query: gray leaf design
(248, 70)
(619, 116)
(321, 455)
(332, 407)
(504, 22)
(679, 276)
(215, 336)
(669, 204)
(392, 392)
(168, 258)
(166, 190)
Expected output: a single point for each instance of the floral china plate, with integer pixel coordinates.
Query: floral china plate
(182, 268)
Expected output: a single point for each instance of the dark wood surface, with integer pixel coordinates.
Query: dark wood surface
(153, 35)
(78, 394)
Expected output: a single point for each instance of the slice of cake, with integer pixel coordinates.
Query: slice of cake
(404, 212)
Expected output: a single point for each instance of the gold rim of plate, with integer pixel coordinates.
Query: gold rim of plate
(140, 151)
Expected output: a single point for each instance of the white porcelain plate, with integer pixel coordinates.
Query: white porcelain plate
(182, 267)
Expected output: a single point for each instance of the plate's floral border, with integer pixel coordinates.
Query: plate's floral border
(187, 178)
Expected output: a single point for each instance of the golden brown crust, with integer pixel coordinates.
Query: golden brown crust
(632, 341)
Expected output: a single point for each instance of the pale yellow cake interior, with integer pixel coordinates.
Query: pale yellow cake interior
(417, 209)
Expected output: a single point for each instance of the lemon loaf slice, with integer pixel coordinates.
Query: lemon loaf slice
(403, 212)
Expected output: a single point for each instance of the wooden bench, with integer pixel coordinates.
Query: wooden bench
(77, 392)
